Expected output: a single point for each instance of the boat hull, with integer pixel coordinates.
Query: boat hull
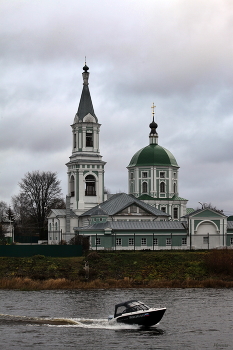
(147, 318)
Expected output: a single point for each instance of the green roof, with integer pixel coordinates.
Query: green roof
(145, 197)
(153, 155)
(189, 210)
(174, 198)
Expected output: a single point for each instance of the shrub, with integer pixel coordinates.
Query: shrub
(220, 261)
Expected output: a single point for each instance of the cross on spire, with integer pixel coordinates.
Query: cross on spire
(153, 110)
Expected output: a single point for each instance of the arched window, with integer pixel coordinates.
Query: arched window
(174, 187)
(175, 213)
(144, 187)
(72, 193)
(131, 187)
(89, 139)
(162, 187)
(90, 186)
(55, 226)
(50, 226)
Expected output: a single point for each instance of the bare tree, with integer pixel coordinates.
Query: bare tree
(3, 232)
(3, 217)
(210, 206)
(39, 192)
(3, 210)
(81, 240)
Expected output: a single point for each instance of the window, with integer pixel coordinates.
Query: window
(168, 241)
(133, 209)
(231, 241)
(143, 241)
(131, 241)
(162, 187)
(118, 241)
(205, 240)
(155, 241)
(144, 187)
(89, 139)
(184, 241)
(162, 175)
(50, 227)
(131, 187)
(55, 226)
(174, 187)
(175, 213)
(97, 241)
(90, 186)
(131, 176)
(72, 193)
(144, 174)
(174, 175)
(163, 209)
(75, 141)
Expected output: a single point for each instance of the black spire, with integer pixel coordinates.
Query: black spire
(85, 105)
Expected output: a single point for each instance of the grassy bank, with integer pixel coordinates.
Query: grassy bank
(170, 269)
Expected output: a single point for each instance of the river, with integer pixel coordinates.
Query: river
(195, 319)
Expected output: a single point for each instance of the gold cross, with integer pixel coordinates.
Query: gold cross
(153, 107)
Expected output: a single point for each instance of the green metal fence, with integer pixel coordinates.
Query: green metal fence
(46, 250)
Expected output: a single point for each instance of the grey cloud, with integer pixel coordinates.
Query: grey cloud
(176, 54)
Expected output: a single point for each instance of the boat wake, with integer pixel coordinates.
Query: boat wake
(65, 322)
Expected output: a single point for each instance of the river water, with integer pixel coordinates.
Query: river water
(195, 319)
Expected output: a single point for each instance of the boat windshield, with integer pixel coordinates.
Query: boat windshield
(130, 306)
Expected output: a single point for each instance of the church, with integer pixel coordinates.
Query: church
(151, 216)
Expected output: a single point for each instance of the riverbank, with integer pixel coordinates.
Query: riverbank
(161, 269)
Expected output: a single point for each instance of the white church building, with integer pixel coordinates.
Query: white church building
(151, 216)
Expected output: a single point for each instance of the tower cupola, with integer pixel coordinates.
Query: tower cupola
(153, 136)
(85, 111)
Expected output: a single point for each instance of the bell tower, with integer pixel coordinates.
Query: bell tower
(86, 168)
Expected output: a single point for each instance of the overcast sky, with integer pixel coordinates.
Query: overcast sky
(175, 53)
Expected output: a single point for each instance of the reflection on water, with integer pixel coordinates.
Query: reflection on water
(195, 319)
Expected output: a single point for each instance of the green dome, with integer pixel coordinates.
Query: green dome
(153, 155)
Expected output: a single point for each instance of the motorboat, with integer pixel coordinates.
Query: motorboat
(136, 312)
